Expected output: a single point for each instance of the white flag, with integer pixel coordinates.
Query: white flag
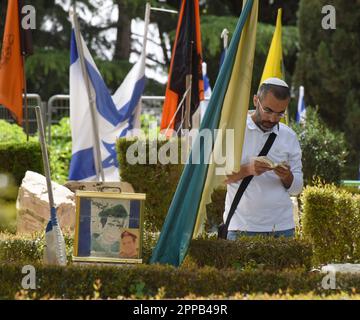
(116, 116)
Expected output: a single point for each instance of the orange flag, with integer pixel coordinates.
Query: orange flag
(186, 59)
(11, 64)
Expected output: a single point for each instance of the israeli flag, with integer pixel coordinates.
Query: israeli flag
(301, 110)
(207, 91)
(116, 116)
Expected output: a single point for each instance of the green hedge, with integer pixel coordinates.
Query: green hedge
(17, 158)
(215, 209)
(213, 267)
(351, 189)
(147, 281)
(158, 181)
(253, 253)
(331, 222)
(21, 250)
(12, 133)
(246, 253)
(28, 249)
(60, 150)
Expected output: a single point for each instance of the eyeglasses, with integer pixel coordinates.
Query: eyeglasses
(270, 112)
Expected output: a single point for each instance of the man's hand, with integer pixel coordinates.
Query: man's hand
(254, 168)
(259, 167)
(285, 175)
(232, 178)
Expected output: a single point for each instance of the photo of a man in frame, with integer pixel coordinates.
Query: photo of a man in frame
(106, 230)
(129, 244)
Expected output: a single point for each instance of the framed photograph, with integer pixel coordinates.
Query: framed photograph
(109, 227)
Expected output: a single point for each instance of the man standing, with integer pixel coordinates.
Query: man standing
(265, 207)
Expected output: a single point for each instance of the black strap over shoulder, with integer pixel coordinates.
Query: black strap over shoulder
(245, 182)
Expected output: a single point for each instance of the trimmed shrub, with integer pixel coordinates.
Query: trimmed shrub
(251, 252)
(158, 181)
(323, 150)
(8, 187)
(21, 250)
(215, 210)
(143, 281)
(353, 190)
(331, 222)
(17, 158)
(60, 150)
(7, 216)
(12, 133)
(246, 253)
(28, 249)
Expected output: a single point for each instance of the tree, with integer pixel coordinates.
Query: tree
(48, 68)
(122, 47)
(267, 12)
(328, 66)
(211, 28)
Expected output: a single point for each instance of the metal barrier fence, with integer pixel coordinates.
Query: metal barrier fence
(59, 106)
(33, 100)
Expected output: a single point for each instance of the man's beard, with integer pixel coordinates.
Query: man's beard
(264, 125)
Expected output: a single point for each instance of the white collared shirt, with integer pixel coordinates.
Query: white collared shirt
(266, 205)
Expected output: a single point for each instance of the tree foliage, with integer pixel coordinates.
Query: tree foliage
(324, 151)
(47, 70)
(211, 28)
(328, 66)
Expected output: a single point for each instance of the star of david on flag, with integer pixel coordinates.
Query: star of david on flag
(116, 116)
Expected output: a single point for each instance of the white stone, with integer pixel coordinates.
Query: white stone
(341, 268)
(33, 209)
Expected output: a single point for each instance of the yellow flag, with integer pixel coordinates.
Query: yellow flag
(274, 62)
(273, 66)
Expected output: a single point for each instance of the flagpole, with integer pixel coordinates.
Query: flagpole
(177, 111)
(25, 101)
(189, 87)
(188, 101)
(164, 10)
(147, 21)
(225, 37)
(97, 154)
